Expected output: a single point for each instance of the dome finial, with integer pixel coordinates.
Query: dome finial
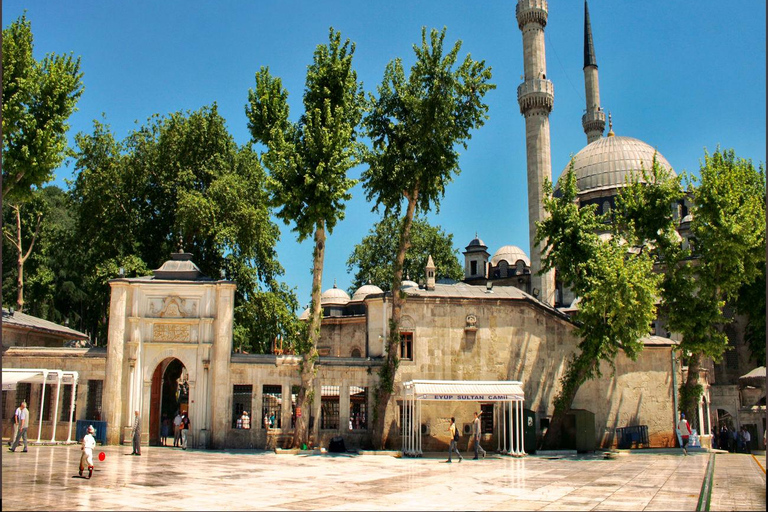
(334, 282)
(610, 125)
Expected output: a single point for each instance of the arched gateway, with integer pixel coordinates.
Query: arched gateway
(169, 335)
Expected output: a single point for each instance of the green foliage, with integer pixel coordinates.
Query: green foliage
(38, 99)
(615, 284)
(417, 123)
(373, 258)
(751, 303)
(180, 179)
(308, 160)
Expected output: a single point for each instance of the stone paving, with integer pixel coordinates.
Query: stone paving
(171, 479)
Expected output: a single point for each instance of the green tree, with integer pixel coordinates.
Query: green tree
(615, 284)
(179, 177)
(373, 258)
(308, 163)
(728, 235)
(416, 125)
(38, 99)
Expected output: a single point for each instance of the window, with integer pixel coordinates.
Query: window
(6, 407)
(520, 267)
(271, 406)
(66, 403)
(486, 418)
(355, 353)
(23, 393)
(329, 407)
(473, 268)
(503, 269)
(242, 394)
(358, 408)
(732, 358)
(93, 408)
(49, 401)
(406, 345)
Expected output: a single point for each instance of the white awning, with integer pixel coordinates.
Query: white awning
(469, 391)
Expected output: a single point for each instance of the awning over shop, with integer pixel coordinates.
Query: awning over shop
(509, 414)
(13, 376)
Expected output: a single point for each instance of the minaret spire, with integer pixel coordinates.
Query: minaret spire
(593, 120)
(536, 98)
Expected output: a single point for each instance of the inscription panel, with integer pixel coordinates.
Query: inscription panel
(172, 332)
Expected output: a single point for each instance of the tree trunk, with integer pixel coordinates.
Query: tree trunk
(575, 376)
(22, 257)
(307, 367)
(385, 387)
(690, 390)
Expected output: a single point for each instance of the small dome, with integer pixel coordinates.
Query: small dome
(334, 296)
(608, 162)
(476, 244)
(406, 283)
(365, 290)
(511, 254)
(180, 267)
(304, 315)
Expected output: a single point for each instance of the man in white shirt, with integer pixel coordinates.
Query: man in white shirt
(86, 459)
(22, 418)
(177, 429)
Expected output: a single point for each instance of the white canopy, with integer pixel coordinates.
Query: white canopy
(12, 376)
(509, 393)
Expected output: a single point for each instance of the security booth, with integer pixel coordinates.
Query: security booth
(509, 412)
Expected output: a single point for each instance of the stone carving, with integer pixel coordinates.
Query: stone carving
(173, 307)
(171, 332)
(471, 321)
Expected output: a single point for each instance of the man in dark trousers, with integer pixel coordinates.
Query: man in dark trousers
(137, 434)
(477, 430)
(184, 430)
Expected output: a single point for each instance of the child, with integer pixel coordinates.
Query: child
(89, 443)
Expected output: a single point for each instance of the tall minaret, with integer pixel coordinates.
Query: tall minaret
(536, 97)
(594, 120)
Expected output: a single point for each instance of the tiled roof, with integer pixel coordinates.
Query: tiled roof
(24, 321)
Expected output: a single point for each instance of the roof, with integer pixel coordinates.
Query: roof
(476, 245)
(464, 290)
(334, 296)
(754, 378)
(180, 266)
(24, 321)
(460, 390)
(511, 254)
(12, 376)
(658, 341)
(608, 162)
(365, 290)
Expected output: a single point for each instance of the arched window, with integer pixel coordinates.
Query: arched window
(606, 206)
(503, 269)
(520, 267)
(355, 353)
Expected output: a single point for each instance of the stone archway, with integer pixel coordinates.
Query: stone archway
(169, 394)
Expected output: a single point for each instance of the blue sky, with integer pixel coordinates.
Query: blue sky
(680, 76)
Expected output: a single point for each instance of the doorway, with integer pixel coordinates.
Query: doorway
(169, 395)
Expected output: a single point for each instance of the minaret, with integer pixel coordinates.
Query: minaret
(536, 96)
(594, 119)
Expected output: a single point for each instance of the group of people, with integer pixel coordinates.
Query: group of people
(244, 421)
(476, 432)
(357, 421)
(180, 425)
(270, 421)
(733, 440)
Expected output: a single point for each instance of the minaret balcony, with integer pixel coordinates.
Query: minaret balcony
(535, 93)
(593, 120)
(531, 11)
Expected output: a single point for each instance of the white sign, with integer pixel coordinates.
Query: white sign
(468, 398)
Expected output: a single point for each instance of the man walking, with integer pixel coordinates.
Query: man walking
(86, 458)
(454, 441)
(15, 427)
(177, 429)
(476, 428)
(136, 434)
(184, 430)
(22, 418)
(684, 429)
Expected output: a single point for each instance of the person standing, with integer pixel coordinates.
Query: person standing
(684, 429)
(184, 430)
(453, 447)
(15, 427)
(177, 429)
(477, 430)
(86, 459)
(22, 417)
(136, 434)
(165, 427)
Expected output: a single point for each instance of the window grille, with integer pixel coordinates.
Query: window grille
(23, 393)
(271, 406)
(7, 413)
(93, 408)
(329, 407)
(486, 418)
(66, 402)
(242, 397)
(358, 408)
(49, 401)
(406, 346)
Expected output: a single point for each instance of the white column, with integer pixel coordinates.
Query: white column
(403, 444)
(42, 401)
(511, 429)
(420, 433)
(72, 407)
(55, 419)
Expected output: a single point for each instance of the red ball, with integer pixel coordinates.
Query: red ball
(102, 456)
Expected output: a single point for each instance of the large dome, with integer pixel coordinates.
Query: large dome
(334, 296)
(608, 162)
(510, 253)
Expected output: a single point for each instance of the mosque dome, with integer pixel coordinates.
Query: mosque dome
(366, 290)
(607, 163)
(476, 244)
(407, 283)
(334, 296)
(511, 254)
(304, 314)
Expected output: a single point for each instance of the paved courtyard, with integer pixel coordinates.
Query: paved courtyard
(171, 479)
